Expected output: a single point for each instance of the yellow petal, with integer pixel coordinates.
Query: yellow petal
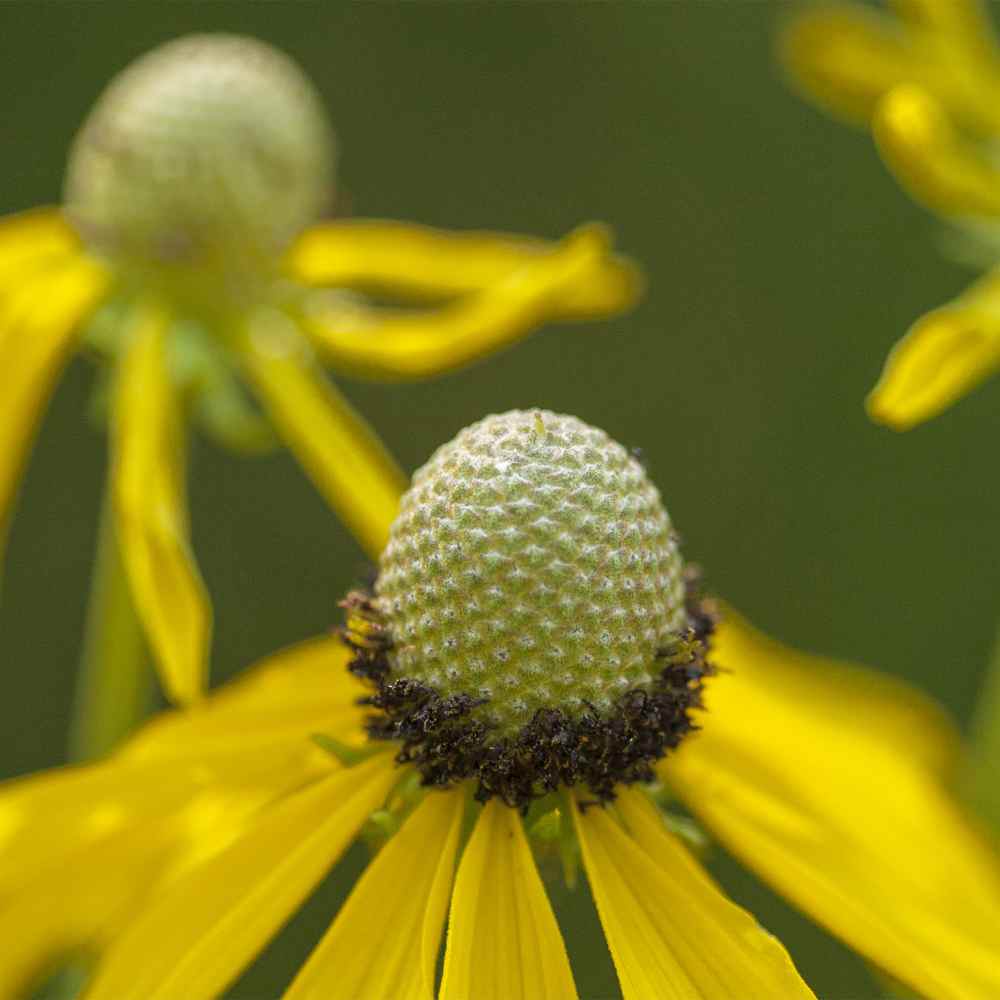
(851, 819)
(384, 943)
(392, 345)
(946, 354)
(846, 58)
(217, 917)
(931, 159)
(503, 940)
(29, 239)
(50, 817)
(417, 262)
(37, 324)
(151, 510)
(83, 850)
(47, 819)
(672, 934)
(300, 691)
(253, 732)
(962, 22)
(344, 457)
(71, 908)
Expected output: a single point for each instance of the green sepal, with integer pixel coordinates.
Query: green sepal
(349, 756)
(689, 832)
(226, 415)
(569, 848)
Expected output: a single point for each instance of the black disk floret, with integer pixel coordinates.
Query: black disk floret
(597, 750)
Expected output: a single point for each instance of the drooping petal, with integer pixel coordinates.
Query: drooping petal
(931, 159)
(672, 933)
(151, 511)
(48, 818)
(195, 938)
(945, 355)
(851, 819)
(846, 57)
(38, 320)
(298, 692)
(72, 908)
(83, 849)
(503, 940)
(417, 262)
(340, 452)
(394, 345)
(384, 943)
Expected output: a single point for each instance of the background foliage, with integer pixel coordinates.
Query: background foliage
(782, 263)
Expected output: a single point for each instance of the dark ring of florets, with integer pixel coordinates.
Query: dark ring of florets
(596, 749)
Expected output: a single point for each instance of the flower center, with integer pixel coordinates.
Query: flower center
(210, 152)
(531, 604)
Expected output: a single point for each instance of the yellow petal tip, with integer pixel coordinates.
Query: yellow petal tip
(618, 281)
(598, 234)
(886, 415)
(633, 280)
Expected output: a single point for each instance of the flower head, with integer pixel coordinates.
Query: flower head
(531, 626)
(208, 829)
(927, 83)
(190, 259)
(206, 157)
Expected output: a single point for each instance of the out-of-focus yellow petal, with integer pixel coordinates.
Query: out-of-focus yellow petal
(424, 264)
(945, 355)
(151, 511)
(964, 23)
(672, 934)
(71, 908)
(846, 58)
(301, 691)
(931, 159)
(879, 703)
(83, 849)
(503, 940)
(384, 943)
(32, 239)
(849, 818)
(195, 938)
(37, 322)
(47, 819)
(343, 456)
(393, 345)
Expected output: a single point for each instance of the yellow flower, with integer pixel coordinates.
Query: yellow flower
(189, 259)
(181, 855)
(927, 83)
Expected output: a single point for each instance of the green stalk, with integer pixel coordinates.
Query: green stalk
(981, 780)
(114, 686)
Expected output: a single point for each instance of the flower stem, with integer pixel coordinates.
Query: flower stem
(114, 685)
(982, 768)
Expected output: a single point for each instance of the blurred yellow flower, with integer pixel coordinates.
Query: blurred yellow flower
(189, 259)
(181, 855)
(927, 83)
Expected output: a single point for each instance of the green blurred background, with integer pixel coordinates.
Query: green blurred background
(782, 263)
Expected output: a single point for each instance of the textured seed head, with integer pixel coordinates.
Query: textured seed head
(209, 148)
(532, 564)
